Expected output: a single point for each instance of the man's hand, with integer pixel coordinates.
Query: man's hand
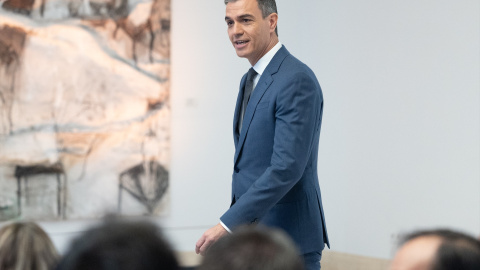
(209, 237)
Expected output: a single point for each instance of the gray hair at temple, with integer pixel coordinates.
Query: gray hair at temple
(266, 6)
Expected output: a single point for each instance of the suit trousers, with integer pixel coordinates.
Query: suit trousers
(312, 260)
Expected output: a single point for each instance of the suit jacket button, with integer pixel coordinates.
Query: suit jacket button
(255, 221)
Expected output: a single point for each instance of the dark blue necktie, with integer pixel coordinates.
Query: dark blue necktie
(247, 91)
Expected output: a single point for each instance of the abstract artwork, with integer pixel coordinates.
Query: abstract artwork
(84, 108)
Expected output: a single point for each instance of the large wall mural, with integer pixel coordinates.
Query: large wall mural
(84, 108)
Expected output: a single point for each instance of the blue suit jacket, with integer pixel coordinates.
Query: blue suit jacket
(275, 178)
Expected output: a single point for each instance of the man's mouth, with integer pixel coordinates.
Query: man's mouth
(241, 42)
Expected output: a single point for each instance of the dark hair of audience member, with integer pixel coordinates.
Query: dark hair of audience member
(120, 245)
(26, 246)
(457, 250)
(253, 248)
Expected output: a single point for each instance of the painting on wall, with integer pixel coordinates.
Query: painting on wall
(84, 108)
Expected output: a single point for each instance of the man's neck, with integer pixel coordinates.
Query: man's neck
(271, 44)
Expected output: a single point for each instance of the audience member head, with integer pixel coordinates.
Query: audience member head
(438, 250)
(117, 244)
(253, 248)
(25, 246)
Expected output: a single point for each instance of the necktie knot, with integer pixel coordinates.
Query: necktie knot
(251, 74)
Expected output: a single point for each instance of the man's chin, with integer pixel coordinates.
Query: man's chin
(241, 54)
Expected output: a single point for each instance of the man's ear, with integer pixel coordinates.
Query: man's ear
(272, 20)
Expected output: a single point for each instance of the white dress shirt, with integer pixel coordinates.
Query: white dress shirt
(262, 64)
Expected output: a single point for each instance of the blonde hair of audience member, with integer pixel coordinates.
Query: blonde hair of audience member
(25, 246)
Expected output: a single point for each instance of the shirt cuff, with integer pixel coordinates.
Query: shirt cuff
(225, 227)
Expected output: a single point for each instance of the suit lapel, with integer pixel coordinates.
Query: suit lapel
(265, 81)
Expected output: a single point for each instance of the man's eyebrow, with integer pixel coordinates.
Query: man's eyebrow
(243, 16)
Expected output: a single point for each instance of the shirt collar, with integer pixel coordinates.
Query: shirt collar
(262, 64)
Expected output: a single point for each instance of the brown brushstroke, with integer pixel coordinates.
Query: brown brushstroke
(136, 33)
(19, 6)
(12, 43)
(160, 23)
(153, 34)
(154, 104)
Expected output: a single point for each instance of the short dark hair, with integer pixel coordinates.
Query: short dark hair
(253, 248)
(120, 245)
(266, 6)
(457, 250)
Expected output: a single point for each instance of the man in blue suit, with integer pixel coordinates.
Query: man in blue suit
(276, 131)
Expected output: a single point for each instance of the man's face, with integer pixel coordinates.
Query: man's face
(416, 254)
(252, 36)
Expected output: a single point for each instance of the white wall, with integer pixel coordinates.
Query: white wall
(400, 141)
(399, 148)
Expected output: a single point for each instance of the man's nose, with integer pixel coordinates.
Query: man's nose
(237, 29)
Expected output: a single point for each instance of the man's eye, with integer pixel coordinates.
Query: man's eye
(246, 20)
(229, 22)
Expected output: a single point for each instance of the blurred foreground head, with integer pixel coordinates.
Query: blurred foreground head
(25, 246)
(120, 245)
(438, 250)
(253, 248)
